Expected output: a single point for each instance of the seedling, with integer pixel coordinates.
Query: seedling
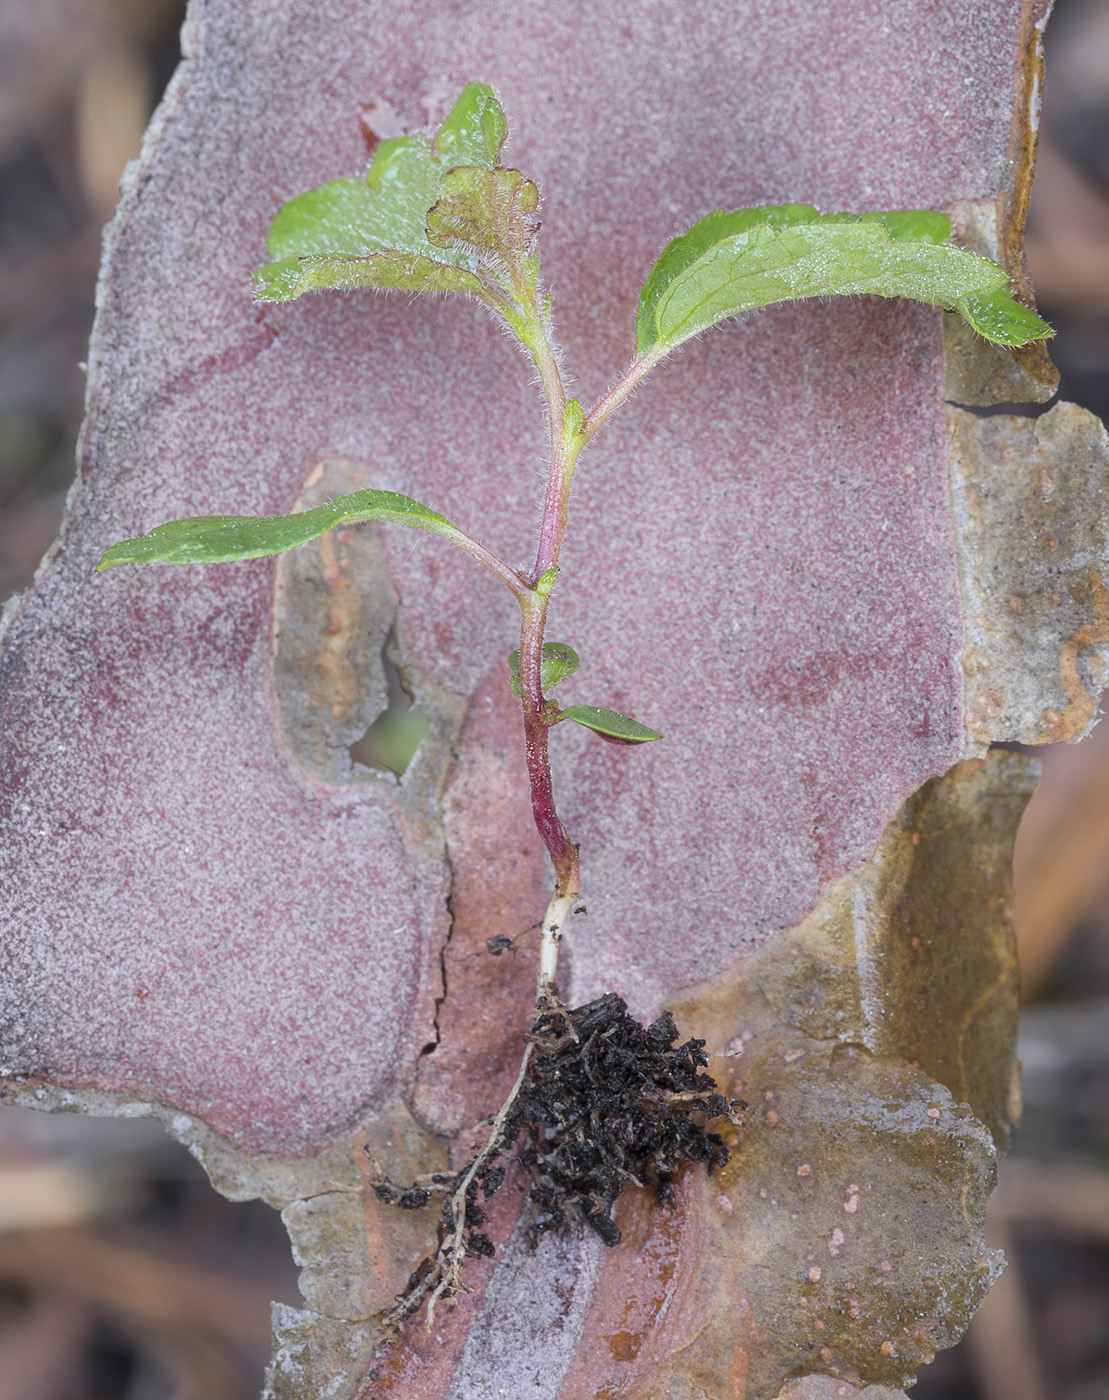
(444, 215)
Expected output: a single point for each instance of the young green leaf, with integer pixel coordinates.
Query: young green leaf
(474, 131)
(573, 420)
(545, 583)
(354, 218)
(372, 232)
(732, 262)
(616, 728)
(557, 662)
(367, 233)
(217, 539)
(490, 210)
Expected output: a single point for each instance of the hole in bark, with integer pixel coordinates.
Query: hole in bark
(390, 743)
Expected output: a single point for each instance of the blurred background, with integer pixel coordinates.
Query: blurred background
(123, 1275)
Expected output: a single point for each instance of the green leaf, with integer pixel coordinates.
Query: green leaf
(217, 539)
(367, 233)
(557, 662)
(375, 232)
(491, 210)
(904, 225)
(354, 218)
(998, 317)
(733, 262)
(680, 253)
(917, 225)
(336, 218)
(545, 583)
(292, 277)
(609, 725)
(474, 132)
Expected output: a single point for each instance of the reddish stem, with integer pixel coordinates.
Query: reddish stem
(631, 377)
(556, 508)
(537, 711)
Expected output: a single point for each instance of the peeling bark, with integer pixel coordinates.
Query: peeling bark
(1034, 552)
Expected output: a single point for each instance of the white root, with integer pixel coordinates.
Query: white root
(554, 925)
(453, 1249)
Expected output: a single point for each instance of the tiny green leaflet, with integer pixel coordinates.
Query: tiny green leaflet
(557, 662)
(617, 728)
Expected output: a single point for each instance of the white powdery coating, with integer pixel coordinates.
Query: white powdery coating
(529, 1347)
(761, 560)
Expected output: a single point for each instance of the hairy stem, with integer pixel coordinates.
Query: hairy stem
(538, 711)
(488, 560)
(604, 408)
(546, 363)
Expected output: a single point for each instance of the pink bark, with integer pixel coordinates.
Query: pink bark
(760, 561)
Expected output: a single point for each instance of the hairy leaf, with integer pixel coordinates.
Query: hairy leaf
(558, 661)
(610, 725)
(358, 217)
(732, 262)
(217, 539)
(488, 209)
(387, 271)
(367, 233)
(997, 316)
(474, 131)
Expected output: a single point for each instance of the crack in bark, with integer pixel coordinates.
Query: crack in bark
(433, 1045)
(1008, 409)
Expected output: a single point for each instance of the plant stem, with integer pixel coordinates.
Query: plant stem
(542, 351)
(537, 710)
(488, 560)
(537, 715)
(533, 594)
(554, 923)
(604, 409)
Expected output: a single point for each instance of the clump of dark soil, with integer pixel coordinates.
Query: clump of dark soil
(608, 1103)
(604, 1102)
